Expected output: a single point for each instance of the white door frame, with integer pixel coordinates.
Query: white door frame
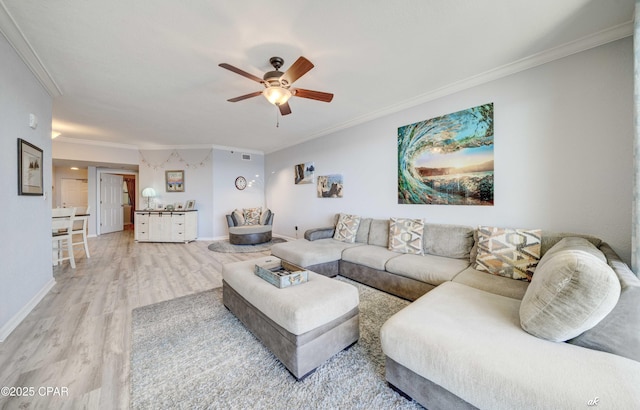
(99, 172)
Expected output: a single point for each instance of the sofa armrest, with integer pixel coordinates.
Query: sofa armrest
(319, 233)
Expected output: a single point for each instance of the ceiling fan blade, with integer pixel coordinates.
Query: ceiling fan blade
(284, 109)
(297, 70)
(241, 72)
(244, 97)
(313, 95)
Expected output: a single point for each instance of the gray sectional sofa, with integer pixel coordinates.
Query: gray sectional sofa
(460, 344)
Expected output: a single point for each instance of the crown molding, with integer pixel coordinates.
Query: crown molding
(11, 31)
(585, 43)
(151, 147)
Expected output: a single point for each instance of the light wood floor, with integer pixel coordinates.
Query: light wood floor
(79, 336)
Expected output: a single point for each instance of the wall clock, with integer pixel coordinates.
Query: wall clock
(241, 183)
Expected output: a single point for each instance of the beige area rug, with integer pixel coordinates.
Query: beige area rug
(192, 353)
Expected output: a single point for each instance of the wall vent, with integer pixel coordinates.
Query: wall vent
(246, 157)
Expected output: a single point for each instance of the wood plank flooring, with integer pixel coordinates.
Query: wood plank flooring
(79, 336)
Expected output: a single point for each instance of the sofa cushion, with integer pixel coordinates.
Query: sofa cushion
(371, 256)
(470, 342)
(379, 232)
(619, 331)
(265, 216)
(498, 285)
(347, 228)
(513, 253)
(572, 243)
(252, 216)
(405, 235)
(430, 269)
(451, 241)
(570, 293)
(363, 230)
(307, 253)
(238, 217)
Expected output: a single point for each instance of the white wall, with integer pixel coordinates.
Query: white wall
(227, 166)
(563, 155)
(198, 181)
(26, 272)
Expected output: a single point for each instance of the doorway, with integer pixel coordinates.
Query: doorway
(115, 204)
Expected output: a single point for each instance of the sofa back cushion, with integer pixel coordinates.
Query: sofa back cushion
(570, 293)
(363, 230)
(379, 232)
(450, 241)
(619, 331)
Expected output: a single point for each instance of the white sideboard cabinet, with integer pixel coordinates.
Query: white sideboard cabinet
(166, 226)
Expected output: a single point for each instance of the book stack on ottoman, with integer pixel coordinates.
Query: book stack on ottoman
(302, 325)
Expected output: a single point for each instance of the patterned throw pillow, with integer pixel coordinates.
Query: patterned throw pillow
(252, 216)
(405, 235)
(512, 253)
(347, 228)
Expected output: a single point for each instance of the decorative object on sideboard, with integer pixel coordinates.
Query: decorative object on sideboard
(191, 205)
(30, 181)
(174, 180)
(148, 193)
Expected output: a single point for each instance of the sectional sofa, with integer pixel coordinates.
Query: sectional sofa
(461, 343)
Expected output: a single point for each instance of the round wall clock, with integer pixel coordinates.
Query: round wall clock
(241, 183)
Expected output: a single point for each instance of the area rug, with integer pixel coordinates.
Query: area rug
(225, 247)
(192, 353)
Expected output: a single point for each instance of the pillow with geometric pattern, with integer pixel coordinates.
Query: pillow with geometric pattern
(405, 235)
(347, 228)
(512, 253)
(252, 216)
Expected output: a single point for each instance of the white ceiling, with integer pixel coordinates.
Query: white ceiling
(146, 72)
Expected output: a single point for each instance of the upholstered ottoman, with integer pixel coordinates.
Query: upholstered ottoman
(302, 325)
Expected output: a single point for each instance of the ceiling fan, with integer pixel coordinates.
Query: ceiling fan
(277, 84)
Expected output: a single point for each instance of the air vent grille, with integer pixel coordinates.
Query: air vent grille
(246, 157)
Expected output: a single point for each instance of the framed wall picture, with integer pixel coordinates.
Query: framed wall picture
(30, 181)
(191, 205)
(174, 181)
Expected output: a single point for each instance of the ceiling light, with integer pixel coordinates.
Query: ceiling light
(75, 168)
(55, 134)
(277, 95)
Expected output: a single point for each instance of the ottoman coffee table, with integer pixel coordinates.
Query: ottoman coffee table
(302, 325)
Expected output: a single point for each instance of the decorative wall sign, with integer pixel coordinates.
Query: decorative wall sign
(447, 160)
(304, 173)
(174, 181)
(30, 180)
(330, 186)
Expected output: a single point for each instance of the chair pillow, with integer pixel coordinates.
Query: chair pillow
(238, 217)
(252, 216)
(347, 228)
(569, 294)
(265, 216)
(572, 243)
(512, 253)
(405, 235)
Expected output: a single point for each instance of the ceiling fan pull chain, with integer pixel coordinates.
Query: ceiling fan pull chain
(277, 117)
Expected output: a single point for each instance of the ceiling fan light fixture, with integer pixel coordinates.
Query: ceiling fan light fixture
(277, 95)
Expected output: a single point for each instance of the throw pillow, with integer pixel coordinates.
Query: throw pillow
(238, 217)
(265, 216)
(512, 253)
(405, 235)
(252, 216)
(572, 243)
(569, 294)
(347, 228)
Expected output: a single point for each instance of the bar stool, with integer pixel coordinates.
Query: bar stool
(61, 232)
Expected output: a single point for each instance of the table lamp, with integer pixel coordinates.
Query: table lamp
(148, 193)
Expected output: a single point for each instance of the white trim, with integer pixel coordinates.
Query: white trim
(94, 142)
(594, 40)
(10, 326)
(19, 42)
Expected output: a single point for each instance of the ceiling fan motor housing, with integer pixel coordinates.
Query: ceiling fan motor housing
(272, 78)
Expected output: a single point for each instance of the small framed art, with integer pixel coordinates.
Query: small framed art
(191, 205)
(30, 181)
(174, 181)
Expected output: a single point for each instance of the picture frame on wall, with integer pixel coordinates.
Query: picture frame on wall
(191, 205)
(30, 178)
(174, 180)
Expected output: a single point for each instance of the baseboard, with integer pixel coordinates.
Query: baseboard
(10, 326)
